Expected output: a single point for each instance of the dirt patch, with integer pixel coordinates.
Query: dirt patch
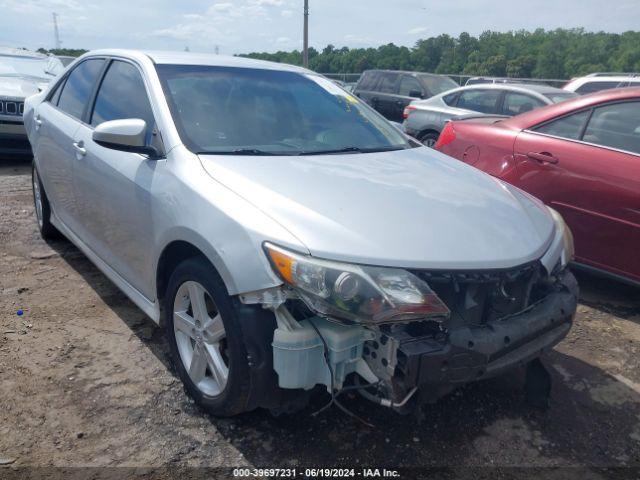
(86, 381)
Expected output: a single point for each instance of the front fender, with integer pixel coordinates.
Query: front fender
(242, 266)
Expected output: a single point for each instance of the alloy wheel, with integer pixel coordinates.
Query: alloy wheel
(201, 338)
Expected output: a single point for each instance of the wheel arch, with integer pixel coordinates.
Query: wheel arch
(178, 250)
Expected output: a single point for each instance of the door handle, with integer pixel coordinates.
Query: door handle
(38, 122)
(542, 157)
(79, 148)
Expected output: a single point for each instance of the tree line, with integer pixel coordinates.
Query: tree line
(67, 52)
(557, 53)
(560, 53)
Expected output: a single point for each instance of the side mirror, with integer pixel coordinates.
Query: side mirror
(127, 135)
(416, 94)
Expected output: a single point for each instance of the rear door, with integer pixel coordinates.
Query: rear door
(587, 166)
(515, 103)
(384, 100)
(483, 100)
(114, 186)
(57, 120)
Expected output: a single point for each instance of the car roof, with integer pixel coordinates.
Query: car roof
(612, 78)
(377, 70)
(514, 87)
(194, 58)
(542, 114)
(613, 74)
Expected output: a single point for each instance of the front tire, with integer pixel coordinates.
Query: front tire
(205, 339)
(42, 207)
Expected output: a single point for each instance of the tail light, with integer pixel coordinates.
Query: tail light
(407, 110)
(447, 136)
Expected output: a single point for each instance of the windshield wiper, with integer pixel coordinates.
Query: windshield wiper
(353, 149)
(239, 151)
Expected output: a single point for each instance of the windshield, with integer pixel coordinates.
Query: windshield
(39, 67)
(438, 84)
(560, 97)
(269, 112)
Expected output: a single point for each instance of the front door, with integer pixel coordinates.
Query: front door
(114, 186)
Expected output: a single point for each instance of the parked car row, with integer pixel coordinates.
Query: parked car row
(288, 238)
(581, 157)
(425, 101)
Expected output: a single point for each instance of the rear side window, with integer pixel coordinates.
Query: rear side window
(616, 126)
(368, 81)
(483, 101)
(388, 83)
(122, 95)
(515, 103)
(569, 127)
(451, 99)
(591, 87)
(77, 89)
(409, 87)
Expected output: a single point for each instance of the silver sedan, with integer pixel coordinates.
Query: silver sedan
(425, 119)
(287, 237)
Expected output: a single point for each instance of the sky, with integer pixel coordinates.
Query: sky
(242, 26)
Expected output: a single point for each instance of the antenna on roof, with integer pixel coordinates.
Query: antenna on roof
(56, 33)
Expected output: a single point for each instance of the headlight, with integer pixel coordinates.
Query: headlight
(567, 237)
(354, 292)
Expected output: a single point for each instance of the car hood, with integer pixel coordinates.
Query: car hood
(414, 208)
(20, 87)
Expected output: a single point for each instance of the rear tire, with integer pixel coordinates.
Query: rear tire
(205, 339)
(42, 207)
(429, 139)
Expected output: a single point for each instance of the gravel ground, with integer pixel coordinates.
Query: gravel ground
(86, 381)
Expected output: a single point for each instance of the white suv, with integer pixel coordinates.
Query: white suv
(602, 81)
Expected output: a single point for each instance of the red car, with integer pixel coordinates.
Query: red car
(581, 157)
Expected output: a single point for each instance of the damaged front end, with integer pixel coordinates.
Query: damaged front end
(402, 338)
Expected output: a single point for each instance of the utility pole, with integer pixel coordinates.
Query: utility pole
(56, 33)
(305, 48)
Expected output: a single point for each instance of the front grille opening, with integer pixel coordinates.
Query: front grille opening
(10, 107)
(480, 296)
